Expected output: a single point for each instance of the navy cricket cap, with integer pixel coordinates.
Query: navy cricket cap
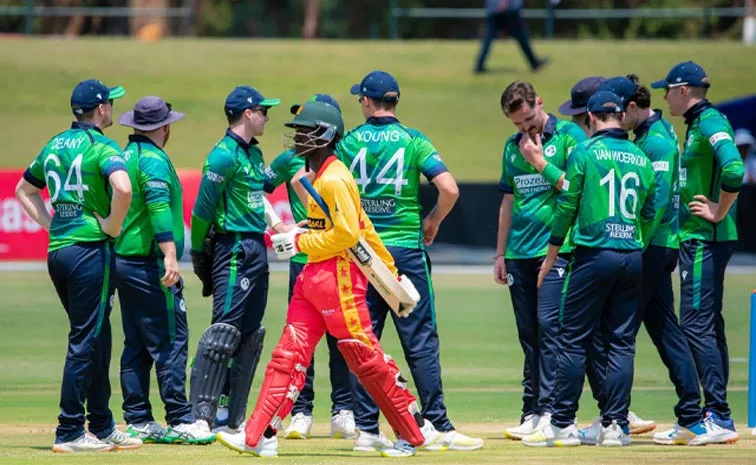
(605, 101)
(620, 85)
(317, 98)
(244, 97)
(376, 85)
(684, 74)
(579, 95)
(87, 95)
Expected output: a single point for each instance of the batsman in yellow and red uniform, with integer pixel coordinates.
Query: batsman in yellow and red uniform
(329, 295)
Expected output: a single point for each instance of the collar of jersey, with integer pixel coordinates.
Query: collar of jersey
(694, 111)
(381, 120)
(614, 133)
(331, 158)
(643, 128)
(142, 139)
(242, 143)
(85, 125)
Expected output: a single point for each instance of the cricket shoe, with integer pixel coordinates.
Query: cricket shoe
(122, 441)
(454, 440)
(266, 447)
(403, 448)
(197, 433)
(527, 427)
(227, 429)
(150, 432)
(553, 436)
(702, 433)
(614, 436)
(342, 425)
(299, 428)
(637, 425)
(590, 436)
(724, 423)
(87, 442)
(368, 442)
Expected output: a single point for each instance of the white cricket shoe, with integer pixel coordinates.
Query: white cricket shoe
(266, 447)
(300, 427)
(228, 429)
(342, 425)
(87, 442)
(123, 441)
(527, 427)
(197, 433)
(614, 436)
(700, 434)
(543, 421)
(454, 440)
(401, 448)
(590, 436)
(553, 436)
(367, 442)
(637, 425)
(150, 432)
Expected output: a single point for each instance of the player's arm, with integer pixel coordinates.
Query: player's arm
(372, 238)
(436, 172)
(505, 220)
(152, 175)
(345, 230)
(29, 193)
(113, 167)
(216, 173)
(731, 172)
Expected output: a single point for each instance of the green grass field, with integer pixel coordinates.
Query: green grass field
(440, 96)
(481, 361)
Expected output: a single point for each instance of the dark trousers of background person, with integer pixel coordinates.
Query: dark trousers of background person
(512, 22)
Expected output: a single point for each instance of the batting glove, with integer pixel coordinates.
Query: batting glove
(285, 244)
(407, 307)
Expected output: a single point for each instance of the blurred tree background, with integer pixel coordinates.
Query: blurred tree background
(364, 19)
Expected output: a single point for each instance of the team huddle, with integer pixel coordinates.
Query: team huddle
(590, 229)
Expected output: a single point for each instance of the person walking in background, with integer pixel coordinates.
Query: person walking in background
(506, 14)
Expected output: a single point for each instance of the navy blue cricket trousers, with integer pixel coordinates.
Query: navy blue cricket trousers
(83, 278)
(702, 272)
(156, 332)
(341, 391)
(602, 285)
(537, 318)
(419, 338)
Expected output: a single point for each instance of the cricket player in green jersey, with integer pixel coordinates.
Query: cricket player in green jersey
(387, 159)
(90, 193)
(711, 172)
(532, 174)
(608, 200)
(229, 255)
(149, 286)
(285, 169)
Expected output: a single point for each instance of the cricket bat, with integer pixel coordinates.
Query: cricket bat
(383, 280)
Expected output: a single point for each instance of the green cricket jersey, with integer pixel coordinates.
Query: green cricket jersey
(231, 191)
(608, 194)
(75, 166)
(656, 137)
(156, 213)
(282, 170)
(387, 159)
(535, 196)
(710, 162)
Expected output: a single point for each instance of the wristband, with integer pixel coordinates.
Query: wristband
(552, 174)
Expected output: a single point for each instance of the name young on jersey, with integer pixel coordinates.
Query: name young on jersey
(384, 136)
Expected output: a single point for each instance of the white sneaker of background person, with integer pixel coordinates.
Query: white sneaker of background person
(150, 432)
(614, 436)
(300, 427)
(368, 442)
(637, 425)
(527, 427)
(552, 436)
(702, 433)
(123, 441)
(342, 425)
(590, 436)
(265, 447)
(403, 448)
(190, 433)
(87, 442)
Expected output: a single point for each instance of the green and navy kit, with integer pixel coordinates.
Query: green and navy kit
(156, 211)
(282, 170)
(387, 159)
(231, 191)
(534, 195)
(710, 162)
(656, 137)
(608, 194)
(75, 166)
